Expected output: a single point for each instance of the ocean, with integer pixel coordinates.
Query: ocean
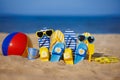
(80, 24)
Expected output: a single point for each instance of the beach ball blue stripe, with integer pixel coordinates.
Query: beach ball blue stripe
(6, 42)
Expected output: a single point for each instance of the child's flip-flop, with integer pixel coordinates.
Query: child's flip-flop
(70, 39)
(57, 36)
(68, 56)
(57, 52)
(44, 54)
(80, 52)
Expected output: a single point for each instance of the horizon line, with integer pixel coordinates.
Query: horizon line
(105, 15)
(58, 16)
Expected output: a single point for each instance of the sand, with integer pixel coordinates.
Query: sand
(19, 68)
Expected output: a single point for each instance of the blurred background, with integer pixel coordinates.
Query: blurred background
(29, 16)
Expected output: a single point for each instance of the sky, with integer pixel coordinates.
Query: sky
(60, 7)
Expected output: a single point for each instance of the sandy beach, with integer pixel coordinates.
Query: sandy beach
(19, 68)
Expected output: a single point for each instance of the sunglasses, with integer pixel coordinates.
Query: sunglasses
(90, 39)
(42, 33)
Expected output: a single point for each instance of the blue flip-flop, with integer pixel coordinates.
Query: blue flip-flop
(57, 52)
(70, 39)
(80, 52)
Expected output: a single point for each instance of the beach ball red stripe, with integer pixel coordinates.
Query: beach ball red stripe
(17, 44)
(6, 43)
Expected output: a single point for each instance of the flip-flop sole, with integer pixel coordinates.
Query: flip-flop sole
(68, 56)
(44, 54)
(80, 52)
(57, 52)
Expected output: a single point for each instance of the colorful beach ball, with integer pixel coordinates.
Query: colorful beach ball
(16, 43)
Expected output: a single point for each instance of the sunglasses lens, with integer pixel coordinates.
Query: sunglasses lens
(39, 34)
(81, 37)
(49, 32)
(91, 39)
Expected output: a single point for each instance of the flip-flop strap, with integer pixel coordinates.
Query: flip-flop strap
(60, 53)
(81, 54)
(70, 40)
(44, 41)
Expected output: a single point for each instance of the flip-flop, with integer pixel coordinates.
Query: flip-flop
(44, 54)
(57, 36)
(68, 56)
(80, 52)
(70, 39)
(57, 52)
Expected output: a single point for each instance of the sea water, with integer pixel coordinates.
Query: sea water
(80, 24)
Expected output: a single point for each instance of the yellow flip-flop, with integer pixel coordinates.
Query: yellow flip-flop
(57, 36)
(68, 56)
(44, 54)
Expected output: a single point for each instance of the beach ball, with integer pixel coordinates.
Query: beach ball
(16, 43)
